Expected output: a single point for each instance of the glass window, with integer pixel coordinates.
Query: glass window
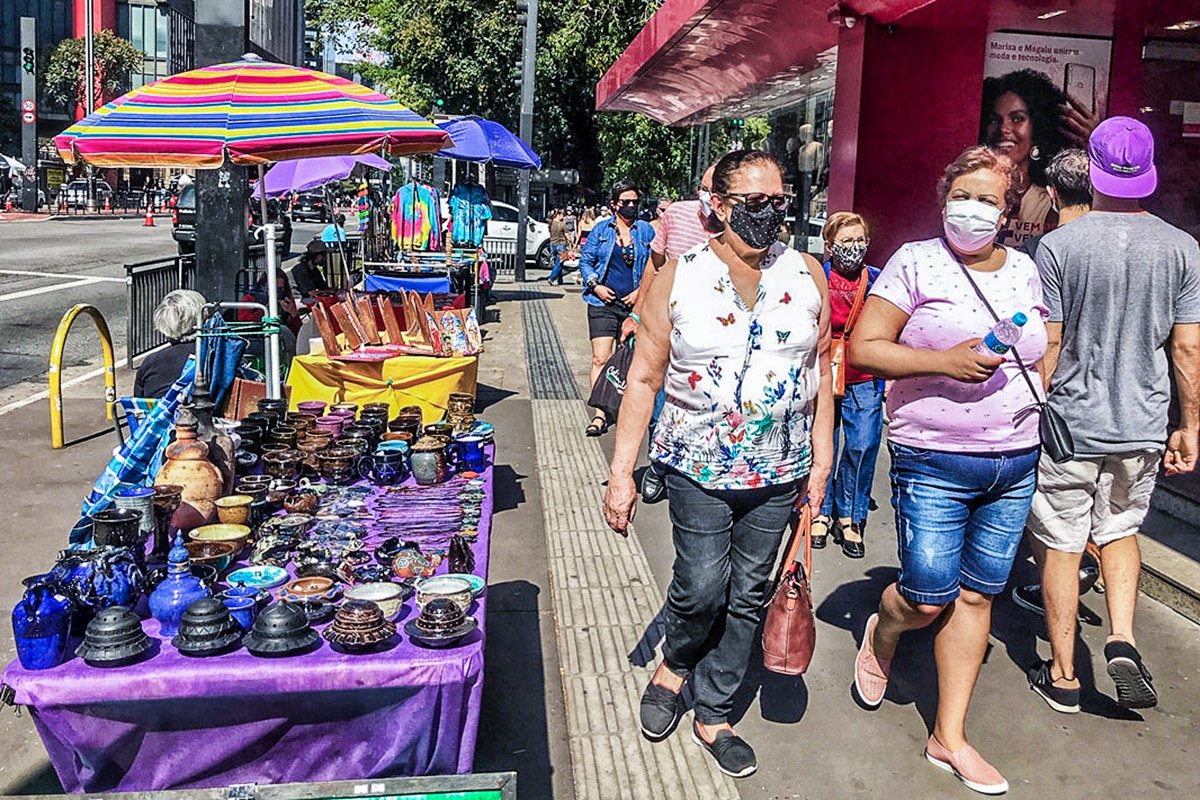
(161, 34)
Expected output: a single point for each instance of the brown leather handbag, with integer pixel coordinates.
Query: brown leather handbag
(837, 349)
(790, 632)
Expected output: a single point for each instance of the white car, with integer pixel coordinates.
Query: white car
(503, 226)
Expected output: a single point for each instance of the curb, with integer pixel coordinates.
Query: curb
(91, 217)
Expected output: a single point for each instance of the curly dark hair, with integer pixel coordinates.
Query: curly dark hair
(723, 173)
(979, 157)
(620, 187)
(1043, 99)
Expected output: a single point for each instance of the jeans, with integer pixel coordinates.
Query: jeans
(556, 251)
(959, 519)
(860, 420)
(725, 548)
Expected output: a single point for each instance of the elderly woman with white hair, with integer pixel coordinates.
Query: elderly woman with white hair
(176, 317)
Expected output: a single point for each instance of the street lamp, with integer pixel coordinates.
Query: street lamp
(89, 89)
(528, 10)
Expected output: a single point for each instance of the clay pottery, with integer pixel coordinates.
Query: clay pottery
(281, 629)
(320, 435)
(276, 404)
(251, 436)
(42, 625)
(441, 623)
(274, 447)
(257, 594)
(246, 464)
(206, 573)
(237, 535)
(234, 509)
(255, 485)
(318, 612)
(218, 554)
(314, 568)
(207, 629)
(384, 468)
(361, 430)
(314, 588)
(114, 638)
(264, 422)
(302, 422)
(186, 464)
(347, 411)
(460, 403)
(387, 551)
(283, 434)
(220, 443)
(316, 408)
(166, 501)
(365, 573)
(376, 408)
(461, 423)
(332, 423)
(293, 526)
(455, 589)
(141, 500)
(283, 465)
(413, 410)
(428, 461)
(389, 597)
(397, 436)
(301, 501)
(177, 591)
(337, 464)
(358, 626)
(357, 444)
(468, 452)
(410, 564)
(116, 527)
(407, 423)
(442, 430)
(243, 610)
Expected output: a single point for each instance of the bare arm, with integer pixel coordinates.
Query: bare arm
(874, 348)
(643, 382)
(1185, 357)
(822, 432)
(1053, 347)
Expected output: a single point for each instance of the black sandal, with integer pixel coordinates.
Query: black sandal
(598, 426)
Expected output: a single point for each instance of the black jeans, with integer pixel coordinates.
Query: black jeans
(726, 543)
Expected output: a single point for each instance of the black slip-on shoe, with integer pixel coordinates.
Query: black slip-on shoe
(1135, 684)
(660, 712)
(1065, 701)
(733, 755)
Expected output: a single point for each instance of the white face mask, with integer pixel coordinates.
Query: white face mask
(705, 198)
(971, 225)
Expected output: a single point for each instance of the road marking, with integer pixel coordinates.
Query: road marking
(56, 287)
(44, 394)
(59, 275)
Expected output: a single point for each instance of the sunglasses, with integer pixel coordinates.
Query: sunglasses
(757, 201)
(628, 202)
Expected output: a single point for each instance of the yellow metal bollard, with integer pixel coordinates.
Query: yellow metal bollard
(56, 356)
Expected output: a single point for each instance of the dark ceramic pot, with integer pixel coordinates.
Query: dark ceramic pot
(384, 468)
(207, 628)
(337, 465)
(359, 626)
(284, 434)
(114, 638)
(264, 422)
(407, 423)
(275, 405)
(301, 501)
(117, 527)
(281, 629)
(283, 465)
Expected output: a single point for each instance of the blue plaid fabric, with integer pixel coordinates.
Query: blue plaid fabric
(139, 460)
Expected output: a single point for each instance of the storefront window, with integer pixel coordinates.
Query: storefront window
(148, 28)
(1171, 107)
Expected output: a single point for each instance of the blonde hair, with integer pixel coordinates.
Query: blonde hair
(843, 219)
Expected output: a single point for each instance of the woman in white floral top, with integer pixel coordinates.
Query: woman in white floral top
(747, 430)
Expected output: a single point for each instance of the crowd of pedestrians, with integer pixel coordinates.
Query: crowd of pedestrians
(763, 377)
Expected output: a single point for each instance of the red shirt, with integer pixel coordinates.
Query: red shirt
(841, 299)
(680, 229)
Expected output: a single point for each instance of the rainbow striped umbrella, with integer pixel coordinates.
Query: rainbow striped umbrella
(249, 112)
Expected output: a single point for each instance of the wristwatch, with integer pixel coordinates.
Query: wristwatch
(592, 284)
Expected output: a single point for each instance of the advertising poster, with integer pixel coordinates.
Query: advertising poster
(1041, 94)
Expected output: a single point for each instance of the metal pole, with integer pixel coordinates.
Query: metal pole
(29, 109)
(528, 73)
(89, 89)
(272, 349)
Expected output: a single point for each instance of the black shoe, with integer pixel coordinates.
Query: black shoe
(660, 712)
(1089, 573)
(1065, 701)
(819, 541)
(853, 549)
(835, 530)
(654, 483)
(734, 757)
(1030, 598)
(1135, 684)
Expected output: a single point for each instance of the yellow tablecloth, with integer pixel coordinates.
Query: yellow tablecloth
(400, 381)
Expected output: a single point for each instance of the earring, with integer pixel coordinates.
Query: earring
(1035, 154)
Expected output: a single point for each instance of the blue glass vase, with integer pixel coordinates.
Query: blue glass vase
(177, 591)
(42, 626)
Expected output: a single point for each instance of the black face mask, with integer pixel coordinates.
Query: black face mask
(628, 212)
(758, 229)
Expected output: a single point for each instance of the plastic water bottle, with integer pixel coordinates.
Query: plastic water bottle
(1001, 338)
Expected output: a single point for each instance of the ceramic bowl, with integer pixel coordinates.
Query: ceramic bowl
(237, 534)
(313, 407)
(218, 554)
(234, 509)
(265, 576)
(388, 596)
(456, 589)
(292, 526)
(478, 584)
(301, 501)
(315, 588)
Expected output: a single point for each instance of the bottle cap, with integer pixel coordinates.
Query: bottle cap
(1019, 318)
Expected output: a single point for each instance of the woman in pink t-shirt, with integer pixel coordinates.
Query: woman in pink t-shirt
(963, 440)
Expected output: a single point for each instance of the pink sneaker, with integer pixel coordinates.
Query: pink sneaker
(968, 766)
(870, 673)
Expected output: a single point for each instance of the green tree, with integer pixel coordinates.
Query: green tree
(10, 126)
(115, 59)
(464, 52)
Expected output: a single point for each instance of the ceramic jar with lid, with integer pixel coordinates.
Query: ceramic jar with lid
(428, 461)
(177, 591)
(186, 464)
(359, 626)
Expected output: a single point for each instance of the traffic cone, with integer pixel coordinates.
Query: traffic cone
(107, 204)
(8, 203)
(149, 221)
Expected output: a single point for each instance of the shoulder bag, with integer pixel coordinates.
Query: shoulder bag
(837, 350)
(1055, 434)
(790, 632)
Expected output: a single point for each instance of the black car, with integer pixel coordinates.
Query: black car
(312, 205)
(183, 222)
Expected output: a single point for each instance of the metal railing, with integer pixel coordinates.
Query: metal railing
(146, 284)
(124, 202)
(502, 257)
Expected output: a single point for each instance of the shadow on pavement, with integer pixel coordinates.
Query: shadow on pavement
(509, 492)
(43, 781)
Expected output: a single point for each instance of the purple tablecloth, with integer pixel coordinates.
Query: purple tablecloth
(173, 722)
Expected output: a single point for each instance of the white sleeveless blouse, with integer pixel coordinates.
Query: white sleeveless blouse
(741, 383)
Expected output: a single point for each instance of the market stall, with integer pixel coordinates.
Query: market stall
(424, 381)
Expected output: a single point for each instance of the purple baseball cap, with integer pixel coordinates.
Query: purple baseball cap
(1121, 151)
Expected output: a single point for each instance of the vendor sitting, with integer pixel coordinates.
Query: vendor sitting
(335, 231)
(177, 316)
(289, 315)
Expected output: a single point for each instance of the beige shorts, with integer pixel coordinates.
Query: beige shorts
(1104, 498)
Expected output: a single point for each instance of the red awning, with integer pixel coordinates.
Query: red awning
(699, 60)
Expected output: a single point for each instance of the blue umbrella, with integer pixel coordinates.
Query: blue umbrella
(481, 140)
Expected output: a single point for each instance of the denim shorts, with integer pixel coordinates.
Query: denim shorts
(959, 518)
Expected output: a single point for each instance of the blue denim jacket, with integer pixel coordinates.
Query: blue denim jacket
(598, 250)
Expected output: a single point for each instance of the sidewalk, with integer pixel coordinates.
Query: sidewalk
(812, 740)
